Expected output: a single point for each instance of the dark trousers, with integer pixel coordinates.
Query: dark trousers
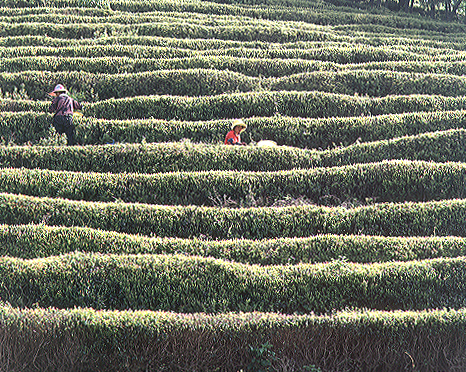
(64, 124)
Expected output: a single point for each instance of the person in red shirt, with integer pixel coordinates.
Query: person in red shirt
(63, 106)
(233, 136)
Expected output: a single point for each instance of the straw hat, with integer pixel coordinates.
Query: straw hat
(58, 89)
(239, 122)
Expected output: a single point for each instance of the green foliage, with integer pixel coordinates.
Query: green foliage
(91, 86)
(303, 11)
(154, 158)
(174, 26)
(185, 156)
(307, 74)
(202, 82)
(31, 128)
(192, 284)
(262, 358)
(33, 241)
(266, 103)
(264, 66)
(394, 181)
(207, 81)
(373, 83)
(440, 218)
(87, 339)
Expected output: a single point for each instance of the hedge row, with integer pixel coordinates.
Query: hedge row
(33, 241)
(372, 83)
(194, 284)
(153, 158)
(420, 44)
(328, 132)
(439, 218)
(208, 48)
(37, 41)
(267, 31)
(164, 47)
(349, 52)
(394, 181)
(86, 339)
(266, 103)
(377, 29)
(430, 67)
(201, 82)
(96, 51)
(17, 104)
(247, 288)
(316, 14)
(185, 156)
(55, 3)
(356, 50)
(91, 86)
(116, 65)
(263, 67)
(106, 17)
(439, 147)
(140, 12)
(33, 127)
(43, 9)
(200, 26)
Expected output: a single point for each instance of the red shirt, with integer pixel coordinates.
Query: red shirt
(232, 138)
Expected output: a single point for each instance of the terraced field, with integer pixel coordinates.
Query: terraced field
(152, 246)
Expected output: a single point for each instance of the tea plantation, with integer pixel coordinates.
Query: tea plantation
(152, 246)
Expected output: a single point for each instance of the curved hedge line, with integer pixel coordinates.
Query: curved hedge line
(19, 104)
(86, 339)
(103, 86)
(393, 181)
(372, 83)
(116, 65)
(358, 50)
(213, 48)
(428, 67)
(155, 157)
(193, 284)
(440, 218)
(94, 51)
(418, 48)
(169, 157)
(33, 241)
(438, 146)
(201, 82)
(383, 72)
(272, 10)
(298, 104)
(33, 127)
(226, 29)
(309, 13)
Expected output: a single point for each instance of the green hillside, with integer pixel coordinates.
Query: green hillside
(152, 246)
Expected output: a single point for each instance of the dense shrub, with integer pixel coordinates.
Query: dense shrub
(441, 218)
(32, 241)
(194, 284)
(32, 127)
(373, 83)
(88, 339)
(102, 86)
(179, 27)
(387, 181)
(299, 104)
(185, 156)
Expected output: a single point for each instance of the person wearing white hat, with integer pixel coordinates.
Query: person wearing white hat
(233, 136)
(63, 106)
